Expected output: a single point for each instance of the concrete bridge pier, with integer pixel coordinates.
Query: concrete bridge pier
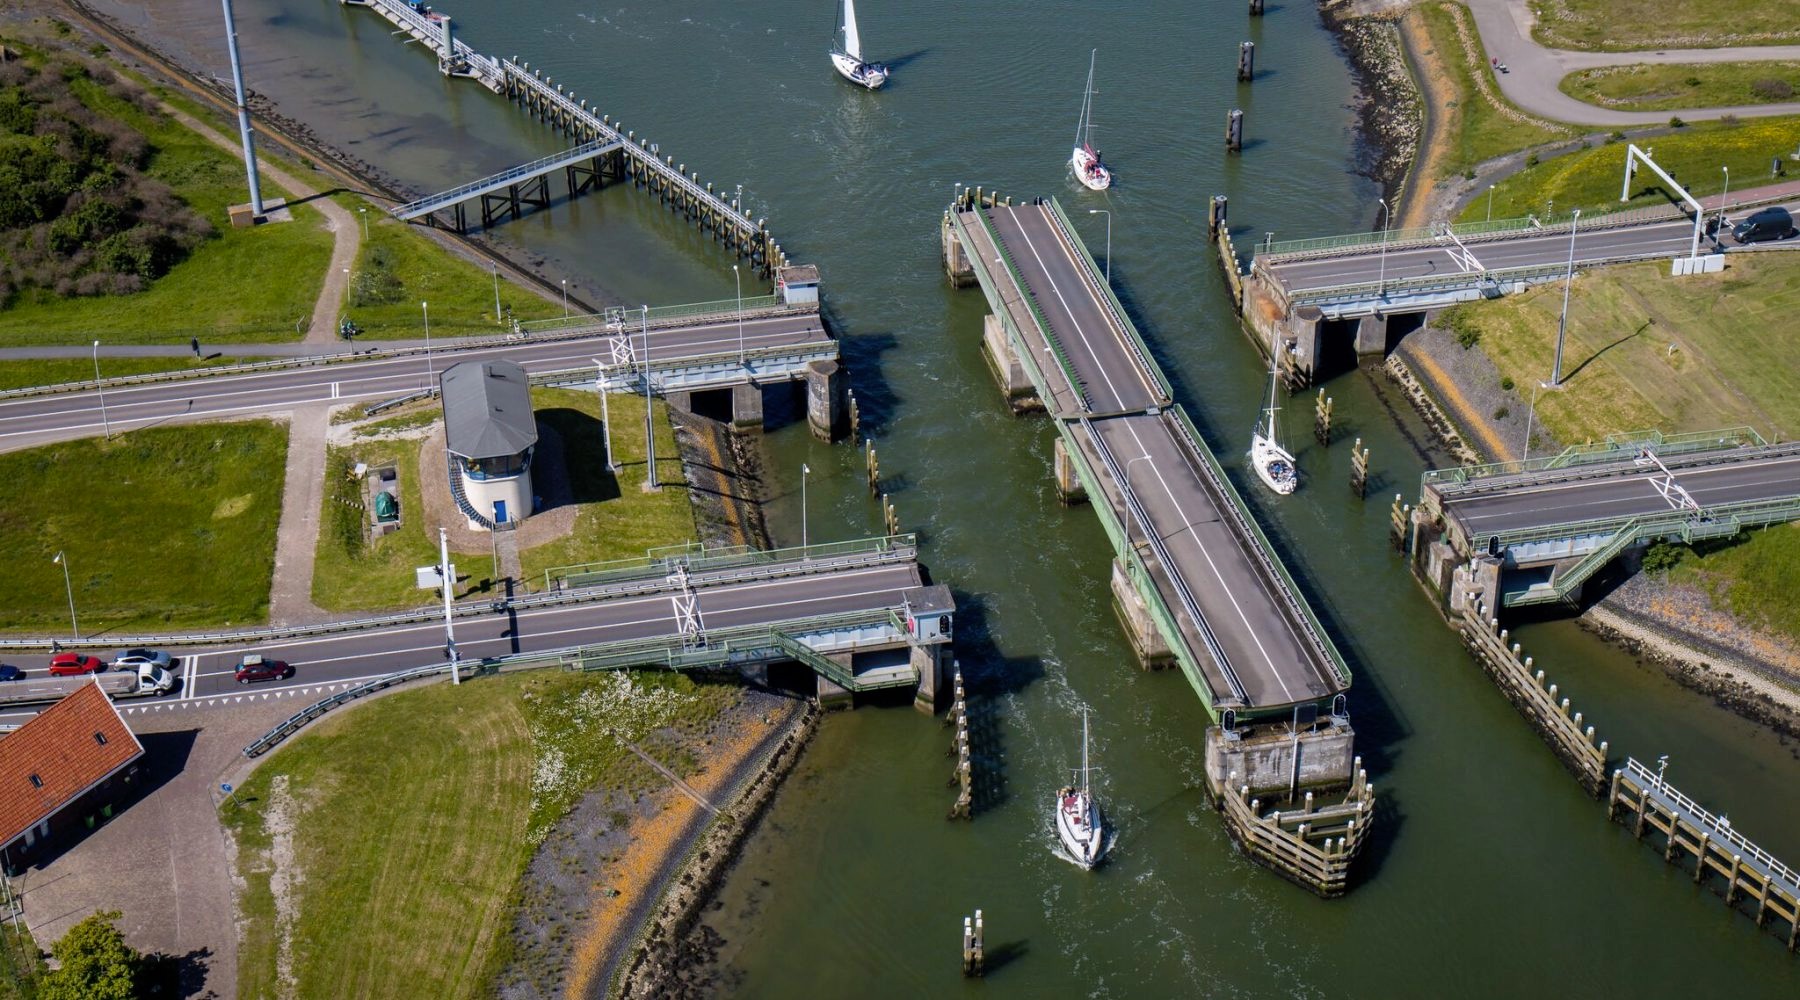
(1068, 482)
(747, 407)
(825, 399)
(1279, 759)
(1146, 639)
(1479, 578)
(929, 662)
(829, 694)
(1371, 335)
(1003, 362)
(956, 262)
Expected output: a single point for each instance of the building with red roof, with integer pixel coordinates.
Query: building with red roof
(64, 767)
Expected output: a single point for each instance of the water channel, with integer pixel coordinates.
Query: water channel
(1491, 874)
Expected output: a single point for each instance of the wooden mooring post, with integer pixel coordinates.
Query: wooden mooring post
(974, 949)
(855, 414)
(1398, 520)
(964, 776)
(1322, 418)
(1749, 872)
(1525, 687)
(1256, 8)
(872, 466)
(890, 518)
(1234, 131)
(1246, 68)
(1312, 846)
(1359, 469)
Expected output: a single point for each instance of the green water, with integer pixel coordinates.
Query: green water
(1490, 874)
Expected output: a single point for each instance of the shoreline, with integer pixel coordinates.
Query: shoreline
(1390, 113)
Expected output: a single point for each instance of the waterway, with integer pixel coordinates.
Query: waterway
(1490, 875)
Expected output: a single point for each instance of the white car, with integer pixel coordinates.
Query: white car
(135, 658)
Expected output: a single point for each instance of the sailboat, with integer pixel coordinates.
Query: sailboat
(846, 51)
(1086, 159)
(1274, 464)
(1078, 819)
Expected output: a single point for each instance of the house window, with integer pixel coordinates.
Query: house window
(100, 738)
(37, 782)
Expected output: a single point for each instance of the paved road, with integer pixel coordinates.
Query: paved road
(207, 673)
(1549, 246)
(1627, 495)
(33, 420)
(1536, 71)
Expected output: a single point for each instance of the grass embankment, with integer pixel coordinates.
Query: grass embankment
(1672, 86)
(399, 267)
(1590, 179)
(166, 526)
(1626, 25)
(616, 519)
(1477, 124)
(242, 284)
(1648, 351)
(1755, 577)
(57, 371)
(381, 851)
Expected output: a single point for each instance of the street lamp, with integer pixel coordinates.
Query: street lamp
(805, 470)
(1490, 217)
(738, 277)
(1724, 197)
(100, 387)
(1381, 280)
(364, 212)
(605, 414)
(496, 266)
(649, 427)
(74, 629)
(1562, 324)
(565, 286)
(1108, 214)
(1525, 453)
(425, 310)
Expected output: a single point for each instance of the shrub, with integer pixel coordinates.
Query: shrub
(1662, 556)
(1507, 383)
(1457, 323)
(1676, 122)
(1502, 413)
(1772, 90)
(1531, 160)
(1616, 136)
(377, 282)
(1692, 81)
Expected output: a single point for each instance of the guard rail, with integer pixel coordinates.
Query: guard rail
(1616, 448)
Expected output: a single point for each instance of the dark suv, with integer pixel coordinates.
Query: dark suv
(1765, 224)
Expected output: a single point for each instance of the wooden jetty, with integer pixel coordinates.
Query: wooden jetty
(1312, 845)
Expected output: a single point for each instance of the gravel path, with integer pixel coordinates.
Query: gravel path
(297, 534)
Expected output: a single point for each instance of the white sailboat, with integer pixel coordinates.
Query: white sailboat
(846, 51)
(1274, 464)
(1078, 819)
(1086, 159)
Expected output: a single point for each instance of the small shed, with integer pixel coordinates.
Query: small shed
(70, 764)
(491, 434)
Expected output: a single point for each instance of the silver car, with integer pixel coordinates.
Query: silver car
(135, 658)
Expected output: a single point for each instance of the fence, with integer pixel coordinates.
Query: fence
(1615, 447)
(698, 557)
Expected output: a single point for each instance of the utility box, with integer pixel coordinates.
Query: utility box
(798, 285)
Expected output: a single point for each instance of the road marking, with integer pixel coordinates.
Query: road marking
(189, 666)
(1118, 397)
(334, 390)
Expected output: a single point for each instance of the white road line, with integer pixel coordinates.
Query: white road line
(189, 664)
(1079, 332)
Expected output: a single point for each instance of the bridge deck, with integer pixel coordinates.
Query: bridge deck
(1211, 569)
(504, 179)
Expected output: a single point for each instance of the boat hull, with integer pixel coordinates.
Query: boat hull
(1080, 827)
(858, 72)
(1274, 466)
(1092, 174)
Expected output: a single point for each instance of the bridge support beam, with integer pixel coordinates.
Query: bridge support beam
(957, 266)
(928, 661)
(1003, 362)
(824, 399)
(1480, 578)
(829, 694)
(747, 407)
(1068, 483)
(1147, 641)
(1371, 335)
(1275, 760)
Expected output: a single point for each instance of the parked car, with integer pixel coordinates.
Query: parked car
(1764, 224)
(8, 672)
(75, 664)
(142, 658)
(257, 668)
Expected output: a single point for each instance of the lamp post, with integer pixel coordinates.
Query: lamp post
(805, 471)
(430, 373)
(444, 574)
(1108, 214)
(1381, 280)
(105, 424)
(1490, 217)
(364, 212)
(738, 277)
(74, 629)
(605, 414)
(1724, 197)
(496, 266)
(1525, 453)
(649, 425)
(565, 286)
(1562, 324)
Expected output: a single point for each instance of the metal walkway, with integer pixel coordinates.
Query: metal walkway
(1228, 609)
(504, 179)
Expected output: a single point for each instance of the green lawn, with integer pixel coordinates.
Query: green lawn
(412, 819)
(167, 526)
(1673, 86)
(21, 965)
(351, 576)
(1754, 577)
(56, 371)
(1726, 368)
(1625, 25)
(1590, 179)
(254, 284)
(618, 519)
(1478, 126)
(400, 267)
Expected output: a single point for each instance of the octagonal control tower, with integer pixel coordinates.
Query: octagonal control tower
(490, 434)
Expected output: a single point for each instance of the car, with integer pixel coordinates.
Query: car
(1764, 224)
(75, 664)
(142, 657)
(258, 668)
(8, 672)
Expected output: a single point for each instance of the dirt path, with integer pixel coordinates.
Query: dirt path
(346, 238)
(297, 534)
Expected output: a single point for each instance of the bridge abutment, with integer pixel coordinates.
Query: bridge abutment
(957, 266)
(1003, 362)
(747, 407)
(825, 399)
(929, 662)
(1068, 481)
(1146, 639)
(1476, 580)
(1275, 761)
(1371, 335)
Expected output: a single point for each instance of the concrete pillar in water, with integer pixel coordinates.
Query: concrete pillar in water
(1246, 61)
(1256, 8)
(1004, 363)
(929, 662)
(1371, 335)
(1153, 651)
(1068, 482)
(680, 400)
(1234, 131)
(747, 407)
(1215, 216)
(824, 398)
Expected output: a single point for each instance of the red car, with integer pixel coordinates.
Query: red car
(75, 664)
(257, 668)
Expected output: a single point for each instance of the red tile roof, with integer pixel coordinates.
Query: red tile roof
(60, 749)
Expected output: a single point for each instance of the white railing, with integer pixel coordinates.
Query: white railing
(1721, 828)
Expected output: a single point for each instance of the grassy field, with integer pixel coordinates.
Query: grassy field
(381, 852)
(618, 519)
(56, 371)
(1672, 86)
(1754, 577)
(1645, 350)
(351, 576)
(20, 964)
(167, 526)
(1479, 125)
(244, 284)
(400, 267)
(1590, 179)
(1624, 25)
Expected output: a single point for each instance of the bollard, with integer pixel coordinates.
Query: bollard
(1246, 61)
(1215, 217)
(1234, 131)
(1256, 8)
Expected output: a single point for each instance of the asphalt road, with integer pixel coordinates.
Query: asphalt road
(33, 420)
(1547, 247)
(1262, 641)
(357, 656)
(1625, 496)
(1099, 351)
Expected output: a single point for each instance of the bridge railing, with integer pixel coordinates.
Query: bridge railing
(1140, 349)
(1687, 524)
(698, 557)
(1037, 312)
(523, 171)
(1614, 448)
(633, 320)
(1698, 815)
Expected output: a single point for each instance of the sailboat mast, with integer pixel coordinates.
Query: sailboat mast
(1084, 751)
(1271, 410)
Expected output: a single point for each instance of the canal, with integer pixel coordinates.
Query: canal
(1490, 874)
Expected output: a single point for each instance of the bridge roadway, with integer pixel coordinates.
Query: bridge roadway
(351, 657)
(1545, 247)
(1114, 405)
(1618, 490)
(26, 421)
